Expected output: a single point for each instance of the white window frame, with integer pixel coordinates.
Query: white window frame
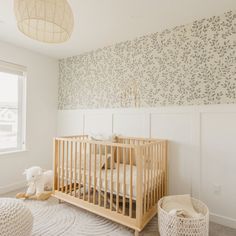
(21, 129)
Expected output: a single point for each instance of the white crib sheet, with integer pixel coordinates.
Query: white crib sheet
(127, 177)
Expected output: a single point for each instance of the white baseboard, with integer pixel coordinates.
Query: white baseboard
(12, 187)
(223, 220)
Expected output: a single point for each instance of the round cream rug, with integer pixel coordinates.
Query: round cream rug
(53, 219)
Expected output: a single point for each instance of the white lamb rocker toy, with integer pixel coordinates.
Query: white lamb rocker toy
(39, 184)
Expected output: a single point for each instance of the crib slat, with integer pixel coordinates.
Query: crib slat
(161, 168)
(152, 175)
(105, 196)
(117, 179)
(100, 174)
(89, 176)
(157, 167)
(112, 164)
(130, 183)
(55, 163)
(150, 159)
(150, 153)
(80, 168)
(159, 172)
(71, 170)
(155, 173)
(148, 178)
(59, 165)
(75, 167)
(124, 179)
(63, 162)
(145, 180)
(84, 184)
(67, 154)
(162, 177)
(139, 187)
(95, 174)
(165, 167)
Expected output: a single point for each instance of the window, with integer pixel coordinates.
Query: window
(12, 107)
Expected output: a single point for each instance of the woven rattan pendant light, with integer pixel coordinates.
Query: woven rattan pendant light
(49, 21)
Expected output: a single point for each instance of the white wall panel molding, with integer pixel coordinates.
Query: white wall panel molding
(98, 123)
(218, 161)
(70, 122)
(177, 128)
(132, 124)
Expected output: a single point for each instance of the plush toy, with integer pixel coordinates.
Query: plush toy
(39, 184)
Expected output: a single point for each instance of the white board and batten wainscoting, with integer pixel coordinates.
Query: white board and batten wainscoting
(202, 146)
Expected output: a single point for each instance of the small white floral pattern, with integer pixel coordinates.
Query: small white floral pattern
(188, 65)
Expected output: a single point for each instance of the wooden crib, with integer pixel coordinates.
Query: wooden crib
(120, 180)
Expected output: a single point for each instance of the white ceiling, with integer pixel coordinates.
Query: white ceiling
(100, 23)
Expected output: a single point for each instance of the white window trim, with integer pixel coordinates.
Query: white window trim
(12, 68)
(22, 112)
(21, 134)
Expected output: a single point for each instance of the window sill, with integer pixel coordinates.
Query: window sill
(7, 153)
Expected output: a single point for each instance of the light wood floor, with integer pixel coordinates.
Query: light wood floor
(215, 229)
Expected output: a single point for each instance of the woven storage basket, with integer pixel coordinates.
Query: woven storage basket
(177, 226)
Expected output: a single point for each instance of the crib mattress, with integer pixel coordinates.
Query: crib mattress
(124, 179)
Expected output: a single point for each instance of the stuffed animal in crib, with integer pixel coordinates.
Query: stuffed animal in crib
(39, 184)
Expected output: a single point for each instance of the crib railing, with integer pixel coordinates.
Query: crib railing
(122, 181)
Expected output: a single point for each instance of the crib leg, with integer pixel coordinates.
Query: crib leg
(60, 201)
(136, 233)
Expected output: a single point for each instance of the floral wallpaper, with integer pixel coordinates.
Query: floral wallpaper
(192, 64)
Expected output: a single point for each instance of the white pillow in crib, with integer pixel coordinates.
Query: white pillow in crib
(104, 138)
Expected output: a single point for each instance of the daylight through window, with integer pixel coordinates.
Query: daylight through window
(12, 109)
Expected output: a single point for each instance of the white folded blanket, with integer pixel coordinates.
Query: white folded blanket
(180, 206)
